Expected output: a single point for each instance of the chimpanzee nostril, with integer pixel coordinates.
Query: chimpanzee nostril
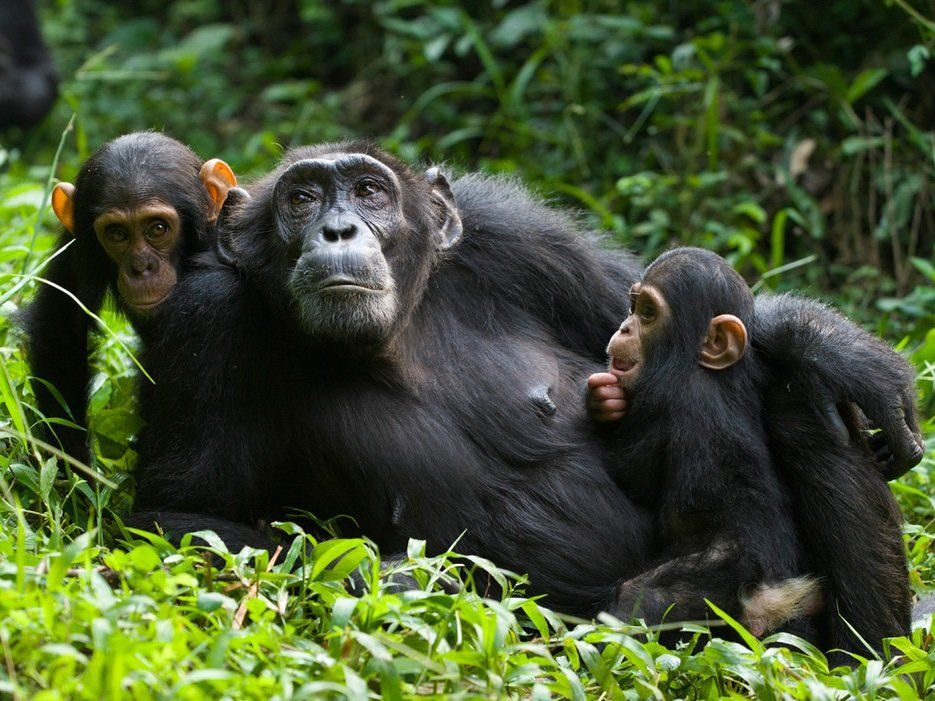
(333, 234)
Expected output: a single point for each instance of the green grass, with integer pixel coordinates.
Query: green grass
(674, 122)
(88, 610)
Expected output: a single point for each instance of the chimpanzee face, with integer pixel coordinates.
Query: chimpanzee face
(146, 199)
(648, 315)
(677, 318)
(142, 240)
(336, 215)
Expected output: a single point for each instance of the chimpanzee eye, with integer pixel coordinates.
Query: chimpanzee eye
(157, 229)
(115, 234)
(366, 187)
(647, 311)
(300, 197)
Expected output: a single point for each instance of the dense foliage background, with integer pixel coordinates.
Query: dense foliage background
(797, 139)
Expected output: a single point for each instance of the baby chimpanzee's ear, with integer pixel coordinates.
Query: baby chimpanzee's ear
(63, 204)
(724, 344)
(218, 179)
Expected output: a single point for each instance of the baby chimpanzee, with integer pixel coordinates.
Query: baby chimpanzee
(692, 446)
(144, 206)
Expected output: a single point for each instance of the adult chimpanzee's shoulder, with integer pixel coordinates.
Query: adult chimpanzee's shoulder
(500, 214)
(520, 251)
(213, 288)
(496, 202)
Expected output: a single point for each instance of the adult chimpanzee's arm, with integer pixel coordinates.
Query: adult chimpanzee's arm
(175, 524)
(197, 468)
(57, 346)
(815, 351)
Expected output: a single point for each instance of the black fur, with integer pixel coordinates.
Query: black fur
(438, 437)
(849, 521)
(468, 418)
(442, 430)
(693, 448)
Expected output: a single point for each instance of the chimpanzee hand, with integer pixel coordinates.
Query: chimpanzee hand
(607, 400)
(812, 349)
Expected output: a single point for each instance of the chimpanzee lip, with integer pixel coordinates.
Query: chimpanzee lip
(147, 305)
(622, 366)
(343, 284)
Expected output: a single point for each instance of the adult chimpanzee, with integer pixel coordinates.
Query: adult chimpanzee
(143, 206)
(693, 448)
(409, 354)
(28, 83)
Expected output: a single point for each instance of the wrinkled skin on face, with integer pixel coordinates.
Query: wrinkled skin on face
(338, 212)
(357, 237)
(142, 240)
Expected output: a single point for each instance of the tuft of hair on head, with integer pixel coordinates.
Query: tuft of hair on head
(770, 606)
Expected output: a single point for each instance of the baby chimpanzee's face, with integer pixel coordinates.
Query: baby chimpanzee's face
(649, 314)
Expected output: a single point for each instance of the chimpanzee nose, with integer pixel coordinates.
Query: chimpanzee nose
(339, 231)
(141, 266)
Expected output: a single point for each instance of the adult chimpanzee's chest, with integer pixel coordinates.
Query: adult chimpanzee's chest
(396, 444)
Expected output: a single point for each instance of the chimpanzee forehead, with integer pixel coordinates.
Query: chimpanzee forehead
(342, 165)
(643, 289)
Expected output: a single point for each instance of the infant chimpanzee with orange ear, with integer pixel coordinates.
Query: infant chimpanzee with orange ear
(687, 393)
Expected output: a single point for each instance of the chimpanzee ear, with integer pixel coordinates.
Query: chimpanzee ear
(449, 230)
(218, 179)
(725, 343)
(63, 204)
(237, 197)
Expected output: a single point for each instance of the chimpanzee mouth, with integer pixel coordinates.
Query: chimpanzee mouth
(146, 305)
(344, 284)
(622, 366)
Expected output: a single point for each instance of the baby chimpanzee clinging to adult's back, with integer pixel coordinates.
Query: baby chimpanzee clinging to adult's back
(692, 446)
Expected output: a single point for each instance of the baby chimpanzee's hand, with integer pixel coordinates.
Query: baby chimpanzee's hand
(607, 400)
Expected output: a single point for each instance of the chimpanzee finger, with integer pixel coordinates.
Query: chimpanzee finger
(601, 379)
(608, 417)
(900, 428)
(612, 406)
(609, 406)
(829, 411)
(606, 393)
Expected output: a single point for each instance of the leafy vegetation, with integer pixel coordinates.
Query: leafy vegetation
(795, 138)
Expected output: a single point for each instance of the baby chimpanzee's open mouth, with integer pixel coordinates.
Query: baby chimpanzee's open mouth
(623, 364)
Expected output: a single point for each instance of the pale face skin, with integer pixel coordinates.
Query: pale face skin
(141, 240)
(607, 391)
